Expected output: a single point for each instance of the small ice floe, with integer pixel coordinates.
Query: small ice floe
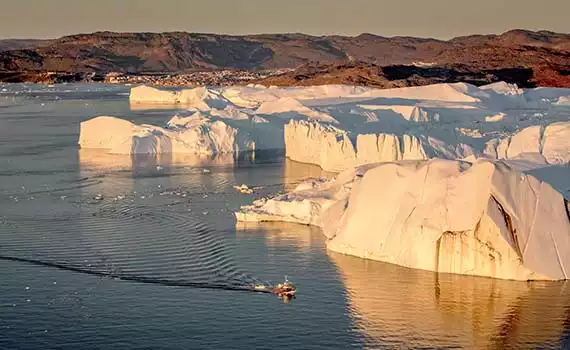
(98, 197)
(244, 189)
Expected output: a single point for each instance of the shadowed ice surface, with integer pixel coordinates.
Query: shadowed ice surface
(166, 225)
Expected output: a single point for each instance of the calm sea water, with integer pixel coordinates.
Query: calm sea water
(167, 227)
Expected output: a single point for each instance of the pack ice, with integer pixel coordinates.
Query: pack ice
(476, 218)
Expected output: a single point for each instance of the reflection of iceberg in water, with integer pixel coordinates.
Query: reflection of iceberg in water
(395, 306)
(148, 222)
(302, 237)
(155, 106)
(98, 158)
(295, 172)
(120, 173)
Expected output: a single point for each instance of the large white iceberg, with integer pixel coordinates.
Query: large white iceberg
(333, 150)
(481, 218)
(196, 135)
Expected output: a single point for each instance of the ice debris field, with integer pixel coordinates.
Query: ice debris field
(447, 177)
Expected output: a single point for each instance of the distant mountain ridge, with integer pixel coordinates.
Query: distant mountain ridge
(546, 53)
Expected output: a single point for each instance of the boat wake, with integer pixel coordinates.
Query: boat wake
(138, 279)
(160, 233)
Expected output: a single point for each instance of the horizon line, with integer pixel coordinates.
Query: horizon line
(286, 33)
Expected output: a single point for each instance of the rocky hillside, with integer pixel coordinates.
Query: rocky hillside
(19, 44)
(369, 74)
(547, 54)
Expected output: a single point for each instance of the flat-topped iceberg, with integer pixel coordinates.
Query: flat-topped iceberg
(333, 149)
(196, 135)
(476, 218)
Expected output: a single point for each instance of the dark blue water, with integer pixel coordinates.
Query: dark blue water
(154, 256)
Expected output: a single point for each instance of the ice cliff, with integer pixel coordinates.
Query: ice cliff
(481, 218)
(333, 149)
(196, 135)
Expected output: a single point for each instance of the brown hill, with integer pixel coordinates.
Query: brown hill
(545, 53)
(369, 74)
(19, 44)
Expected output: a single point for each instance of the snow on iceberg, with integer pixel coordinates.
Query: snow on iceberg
(455, 92)
(408, 112)
(481, 218)
(288, 107)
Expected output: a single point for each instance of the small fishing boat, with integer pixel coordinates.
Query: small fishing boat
(285, 289)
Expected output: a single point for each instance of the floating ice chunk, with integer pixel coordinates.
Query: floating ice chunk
(244, 189)
(563, 101)
(495, 118)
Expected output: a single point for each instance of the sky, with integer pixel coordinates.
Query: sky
(441, 19)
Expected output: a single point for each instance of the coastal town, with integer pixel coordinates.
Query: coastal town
(200, 78)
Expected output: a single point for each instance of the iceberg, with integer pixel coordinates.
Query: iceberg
(333, 150)
(195, 134)
(544, 144)
(337, 127)
(199, 98)
(480, 218)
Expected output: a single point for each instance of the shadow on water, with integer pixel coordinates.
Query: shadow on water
(396, 306)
